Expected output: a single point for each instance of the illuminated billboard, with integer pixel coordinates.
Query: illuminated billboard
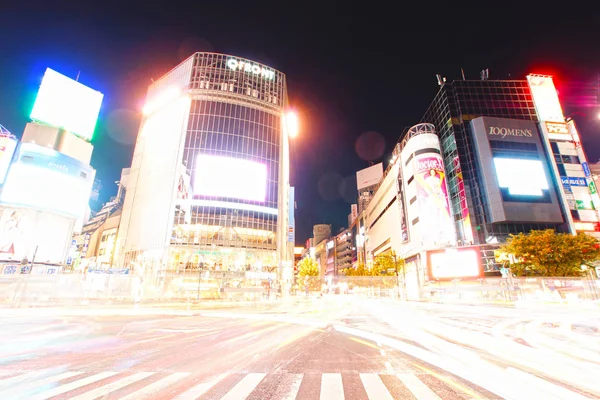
(7, 150)
(521, 177)
(545, 98)
(45, 179)
(432, 197)
(65, 103)
(24, 232)
(227, 177)
(454, 263)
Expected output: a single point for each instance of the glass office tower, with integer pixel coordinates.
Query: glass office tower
(453, 112)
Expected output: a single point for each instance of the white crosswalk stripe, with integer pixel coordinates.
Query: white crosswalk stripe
(332, 387)
(374, 387)
(418, 388)
(45, 384)
(149, 391)
(111, 387)
(244, 387)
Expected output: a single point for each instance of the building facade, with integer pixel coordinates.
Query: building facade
(209, 184)
(490, 159)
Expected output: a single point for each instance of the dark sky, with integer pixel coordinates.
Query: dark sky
(350, 69)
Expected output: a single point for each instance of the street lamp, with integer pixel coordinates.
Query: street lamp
(291, 120)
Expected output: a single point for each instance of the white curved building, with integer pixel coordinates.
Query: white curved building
(209, 182)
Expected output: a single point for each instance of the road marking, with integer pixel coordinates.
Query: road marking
(374, 387)
(294, 388)
(200, 389)
(417, 388)
(450, 382)
(244, 387)
(332, 387)
(111, 387)
(72, 386)
(150, 391)
(388, 365)
(364, 342)
(30, 386)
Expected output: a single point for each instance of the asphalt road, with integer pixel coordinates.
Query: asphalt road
(331, 348)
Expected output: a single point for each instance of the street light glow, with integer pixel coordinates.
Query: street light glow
(291, 120)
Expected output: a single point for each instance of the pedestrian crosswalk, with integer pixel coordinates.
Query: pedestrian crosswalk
(60, 383)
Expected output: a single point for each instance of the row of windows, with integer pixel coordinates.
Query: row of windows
(212, 72)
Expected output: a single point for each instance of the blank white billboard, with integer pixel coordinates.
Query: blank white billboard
(65, 103)
(369, 176)
(226, 177)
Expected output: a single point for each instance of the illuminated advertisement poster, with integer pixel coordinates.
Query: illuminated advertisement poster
(25, 232)
(291, 222)
(227, 177)
(432, 196)
(65, 103)
(454, 263)
(43, 178)
(7, 150)
(545, 98)
(401, 207)
(466, 218)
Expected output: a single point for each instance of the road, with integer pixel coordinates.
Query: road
(330, 348)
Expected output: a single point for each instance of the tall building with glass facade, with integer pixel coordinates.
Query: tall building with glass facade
(209, 183)
(489, 127)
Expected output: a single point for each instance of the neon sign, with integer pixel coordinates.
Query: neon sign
(239, 65)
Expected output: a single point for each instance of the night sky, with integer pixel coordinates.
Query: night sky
(350, 70)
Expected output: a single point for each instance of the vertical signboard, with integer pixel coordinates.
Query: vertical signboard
(402, 208)
(432, 196)
(466, 218)
(291, 221)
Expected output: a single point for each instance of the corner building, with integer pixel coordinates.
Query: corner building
(209, 181)
(513, 162)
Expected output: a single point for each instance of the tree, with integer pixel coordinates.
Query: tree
(547, 253)
(387, 264)
(308, 273)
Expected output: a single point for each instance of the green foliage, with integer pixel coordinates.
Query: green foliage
(308, 273)
(383, 265)
(547, 253)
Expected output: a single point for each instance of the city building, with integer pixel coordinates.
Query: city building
(490, 159)
(344, 251)
(209, 182)
(46, 178)
(366, 182)
(94, 246)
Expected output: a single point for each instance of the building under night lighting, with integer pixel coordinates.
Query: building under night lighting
(490, 159)
(209, 184)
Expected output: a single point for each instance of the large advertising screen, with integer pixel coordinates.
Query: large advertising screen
(65, 103)
(25, 232)
(454, 263)
(435, 216)
(7, 150)
(45, 179)
(226, 177)
(521, 177)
